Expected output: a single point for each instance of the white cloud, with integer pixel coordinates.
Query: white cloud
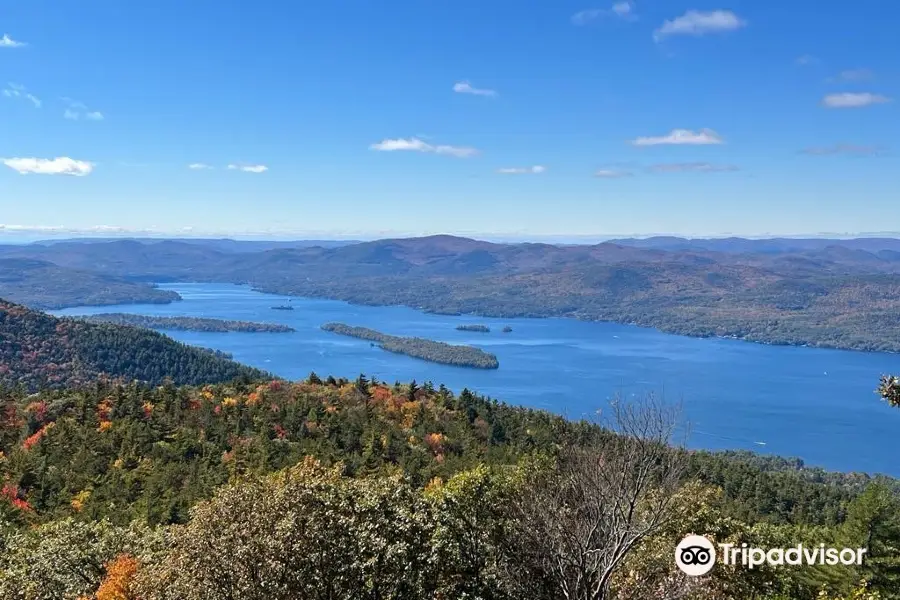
(681, 137)
(695, 167)
(249, 168)
(62, 165)
(806, 60)
(464, 87)
(78, 110)
(842, 149)
(17, 90)
(611, 173)
(696, 23)
(417, 145)
(199, 166)
(853, 100)
(8, 42)
(622, 10)
(536, 169)
(851, 75)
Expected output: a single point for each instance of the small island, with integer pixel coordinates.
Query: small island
(507, 329)
(438, 352)
(186, 323)
(283, 307)
(478, 328)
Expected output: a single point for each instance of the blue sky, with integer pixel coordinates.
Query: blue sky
(355, 117)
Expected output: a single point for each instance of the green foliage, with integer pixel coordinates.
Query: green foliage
(40, 351)
(66, 559)
(889, 389)
(439, 352)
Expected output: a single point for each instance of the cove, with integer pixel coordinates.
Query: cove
(815, 404)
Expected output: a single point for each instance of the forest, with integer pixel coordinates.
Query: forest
(362, 489)
(186, 323)
(38, 351)
(430, 350)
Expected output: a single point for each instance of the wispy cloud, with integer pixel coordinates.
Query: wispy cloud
(464, 87)
(853, 100)
(199, 166)
(679, 137)
(806, 60)
(692, 167)
(536, 169)
(249, 168)
(78, 110)
(851, 149)
(611, 173)
(8, 42)
(622, 10)
(417, 145)
(697, 23)
(852, 75)
(17, 90)
(62, 165)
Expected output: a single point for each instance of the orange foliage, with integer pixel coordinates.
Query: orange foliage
(253, 398)
(148, 409)
(435, 442)
(36, 436)
(103, 409)
(120, 574)
(104, 426)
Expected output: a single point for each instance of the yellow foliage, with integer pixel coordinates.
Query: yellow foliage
(105, 426)
(229, 401)
(79, 499)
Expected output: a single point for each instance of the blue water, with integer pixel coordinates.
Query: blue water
(815, 404)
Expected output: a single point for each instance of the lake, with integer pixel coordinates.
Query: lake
(811, 403)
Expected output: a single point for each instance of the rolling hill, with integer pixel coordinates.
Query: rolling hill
(38, 351)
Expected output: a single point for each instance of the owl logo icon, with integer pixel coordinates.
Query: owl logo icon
(695, 555)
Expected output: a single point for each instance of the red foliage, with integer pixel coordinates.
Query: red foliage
(10, 491)
(275, 386)
(39, 409)
(280, 431)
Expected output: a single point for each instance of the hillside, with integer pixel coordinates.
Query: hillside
(391, 467)
(39, 351)
(45, 285)
(838, 296)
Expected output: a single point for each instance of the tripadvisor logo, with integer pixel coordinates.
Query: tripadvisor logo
(695, 555)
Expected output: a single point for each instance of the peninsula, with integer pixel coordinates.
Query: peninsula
(186, 323)
(430, 350)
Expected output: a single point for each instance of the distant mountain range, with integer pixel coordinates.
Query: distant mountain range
(825, 292)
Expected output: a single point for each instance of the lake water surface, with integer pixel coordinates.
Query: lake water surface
(815, 404)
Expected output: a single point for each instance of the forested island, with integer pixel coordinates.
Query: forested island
(478, 328)
(430, 350)
(187, 323)
(507, 329)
